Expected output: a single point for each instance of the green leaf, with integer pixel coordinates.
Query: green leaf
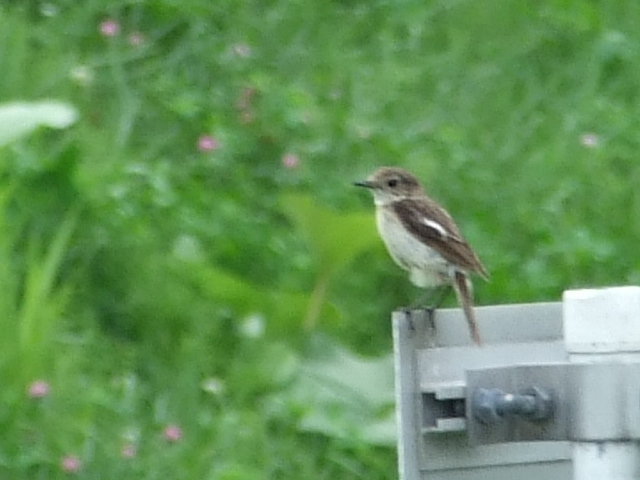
(263, 366)
(347, 396)
(335, 238)
(282, 310)
(21, 118)
(43, 301)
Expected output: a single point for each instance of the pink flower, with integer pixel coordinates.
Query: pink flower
(109, 28)
(290, 160)
(206, 143)
(172, 433)
(128, 450)
(39, 389)
(70, 464)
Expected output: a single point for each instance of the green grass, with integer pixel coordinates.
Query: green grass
(152, 284)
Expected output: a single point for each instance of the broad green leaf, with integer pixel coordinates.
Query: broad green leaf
(335, 238)
(21, 118)
(282, 310)
(348, 396)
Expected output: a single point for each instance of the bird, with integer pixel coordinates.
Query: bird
(423, 239)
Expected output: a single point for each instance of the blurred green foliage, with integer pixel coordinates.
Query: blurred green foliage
(191, 252)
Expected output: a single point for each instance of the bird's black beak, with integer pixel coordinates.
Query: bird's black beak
(364, 183)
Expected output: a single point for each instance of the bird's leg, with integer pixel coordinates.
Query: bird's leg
(442, 293)
(432, 299)
(430, 302)
(407, 315)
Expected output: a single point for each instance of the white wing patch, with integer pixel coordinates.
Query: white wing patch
(436, 226)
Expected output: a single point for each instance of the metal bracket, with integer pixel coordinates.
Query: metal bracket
(443, 408)
(578, 402)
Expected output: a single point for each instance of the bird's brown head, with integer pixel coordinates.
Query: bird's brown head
(389, 184)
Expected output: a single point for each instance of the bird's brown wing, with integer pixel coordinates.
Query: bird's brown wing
(434, 226)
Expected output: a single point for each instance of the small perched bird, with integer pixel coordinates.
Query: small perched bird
(422, 238)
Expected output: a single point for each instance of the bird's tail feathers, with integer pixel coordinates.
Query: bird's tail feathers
(464, 292)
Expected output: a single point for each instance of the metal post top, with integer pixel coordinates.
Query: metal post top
(605, 320)
(547, 374)
(498, 324)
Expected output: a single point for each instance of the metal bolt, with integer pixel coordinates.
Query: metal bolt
(491, 405)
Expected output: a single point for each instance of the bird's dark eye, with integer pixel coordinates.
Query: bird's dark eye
(393, 182)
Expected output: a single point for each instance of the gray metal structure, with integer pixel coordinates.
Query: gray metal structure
(528, 402)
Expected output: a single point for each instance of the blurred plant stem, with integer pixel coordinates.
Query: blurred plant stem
(316, 300)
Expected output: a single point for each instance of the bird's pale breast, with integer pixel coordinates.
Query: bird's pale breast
(427, 268)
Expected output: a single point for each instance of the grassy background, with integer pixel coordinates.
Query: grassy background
(195, 313)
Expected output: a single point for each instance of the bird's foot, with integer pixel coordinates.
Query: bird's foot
(431, 316)
(431, 312)
(432, 299)
(409, 317)
(408, 313)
